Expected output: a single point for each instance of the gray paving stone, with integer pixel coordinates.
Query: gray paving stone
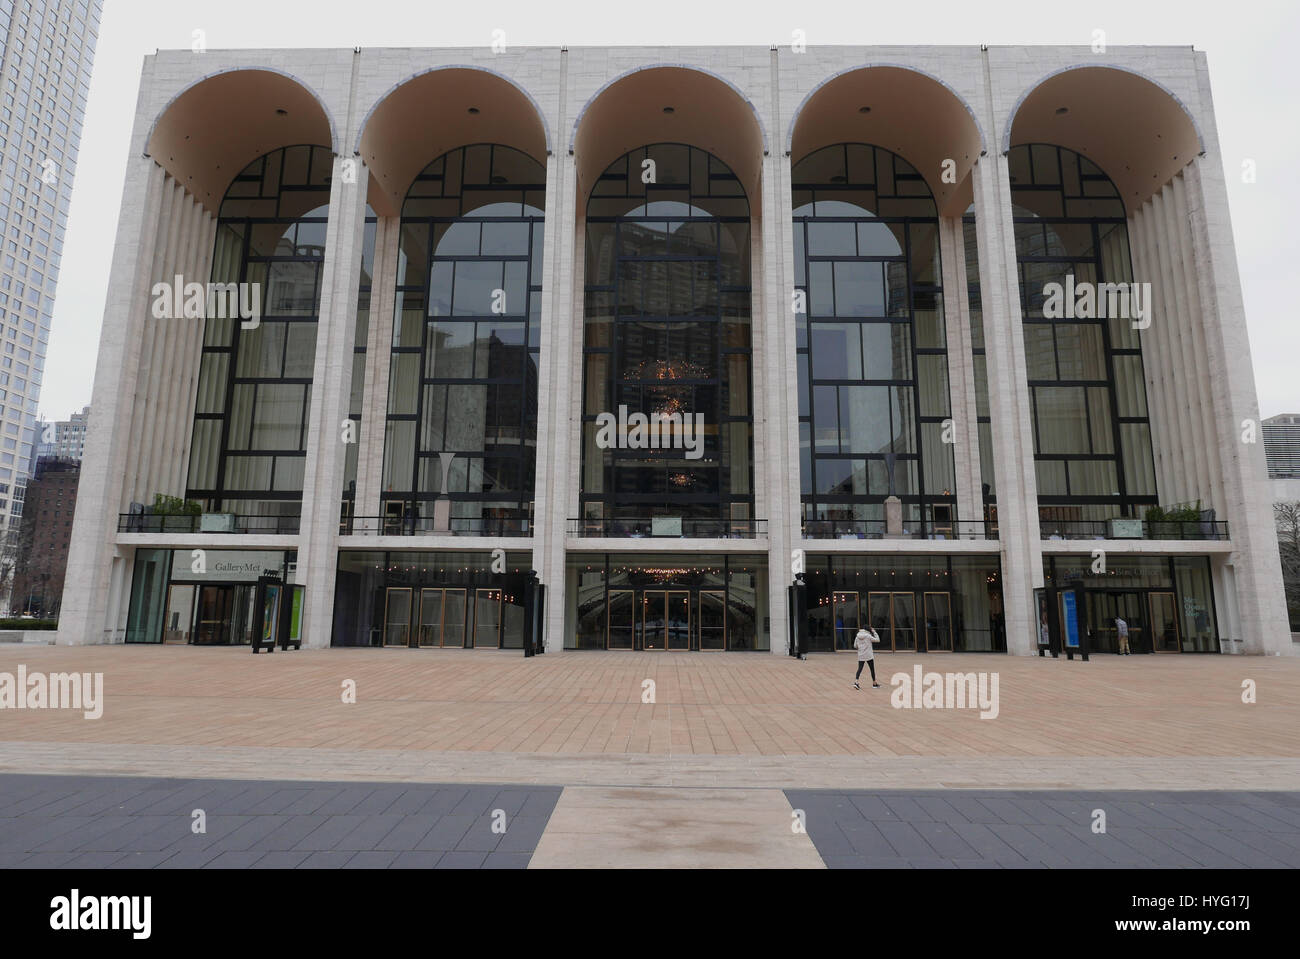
(281, 859)
(418, 859)
(462, 860)
(372, 859)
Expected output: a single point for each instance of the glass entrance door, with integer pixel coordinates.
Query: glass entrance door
(846, 612)
(713, 620)
(216, 604)
(894, 620)
(397, 616)
(620, 619)
(442, 618)
(938, 623)
(1164, 623)
(1105, 607)
(487, 618)
(666, 620)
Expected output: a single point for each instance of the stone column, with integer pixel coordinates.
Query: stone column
(331, 390)
(92, 548)
(1009, 410)
(559, 406)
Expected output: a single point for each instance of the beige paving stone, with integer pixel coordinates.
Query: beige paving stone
(609, 827)
(721, 719)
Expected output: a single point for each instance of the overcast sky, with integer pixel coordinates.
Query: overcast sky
(1252, 48)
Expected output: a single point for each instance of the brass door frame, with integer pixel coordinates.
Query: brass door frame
(857, 602)
(444, 591)
(463, 593)
(420, 624)
(1151, 609)
(474, 633)
(892, 646)
(388, 601)
(665, 593)
(947, 596)
(609, 606)
(721, 596)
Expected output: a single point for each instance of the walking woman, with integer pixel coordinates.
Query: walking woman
(866, 654)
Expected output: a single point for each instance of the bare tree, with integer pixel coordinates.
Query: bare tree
(1286, 517)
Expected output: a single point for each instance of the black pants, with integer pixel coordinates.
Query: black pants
(866, 662)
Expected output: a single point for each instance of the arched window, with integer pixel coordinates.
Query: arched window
(463, 376)
(251, 412)
(1092, 434)
(667, 335)
(871, 343)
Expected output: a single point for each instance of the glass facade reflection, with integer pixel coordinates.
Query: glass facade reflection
(430, 600)
(1167, 601)
(1092, 435)
(463, 376)
(249, 447)
(667, 333)
(872, 344)
(914, 603)
(680, 602)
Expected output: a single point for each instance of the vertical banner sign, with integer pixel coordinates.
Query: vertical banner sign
(1071, 625)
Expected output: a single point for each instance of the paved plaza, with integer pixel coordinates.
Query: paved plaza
(710, 773)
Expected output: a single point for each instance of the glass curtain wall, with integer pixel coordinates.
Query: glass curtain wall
(1092, 435)
(667, 333)
(988, 469)
(357, 397)
(463, 380)
(254, 393)
(871, 344)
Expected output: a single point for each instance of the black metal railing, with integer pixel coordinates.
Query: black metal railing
(412, 525)
(684, 527)
(875, 529)
(229, 523)
(1129, 529)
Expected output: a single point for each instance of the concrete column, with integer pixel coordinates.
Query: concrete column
(1009, 410)
(88, 582)
(559, 439)
(331, 389)
(961, 372)
(1261, 599)
(776, 381)
(379, 354)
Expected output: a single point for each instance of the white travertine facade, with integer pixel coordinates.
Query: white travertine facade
(1143, 114)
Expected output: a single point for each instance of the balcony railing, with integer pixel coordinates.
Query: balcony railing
(875, 529)
(413, 525)
(661, 527)
(1131, 528)
(270, 524)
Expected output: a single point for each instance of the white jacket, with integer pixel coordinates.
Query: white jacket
(863, 642)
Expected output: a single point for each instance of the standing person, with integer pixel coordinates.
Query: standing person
(1121, 629)
(866, 654)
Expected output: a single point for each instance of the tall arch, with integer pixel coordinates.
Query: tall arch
(669, 103)
(1128, 124)
(880, 104)
(218, 125)
(436, 111)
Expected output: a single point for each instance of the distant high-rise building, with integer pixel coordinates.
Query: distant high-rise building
(63, 439)
(1281, 435)
(42, 549)
(47, 50)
